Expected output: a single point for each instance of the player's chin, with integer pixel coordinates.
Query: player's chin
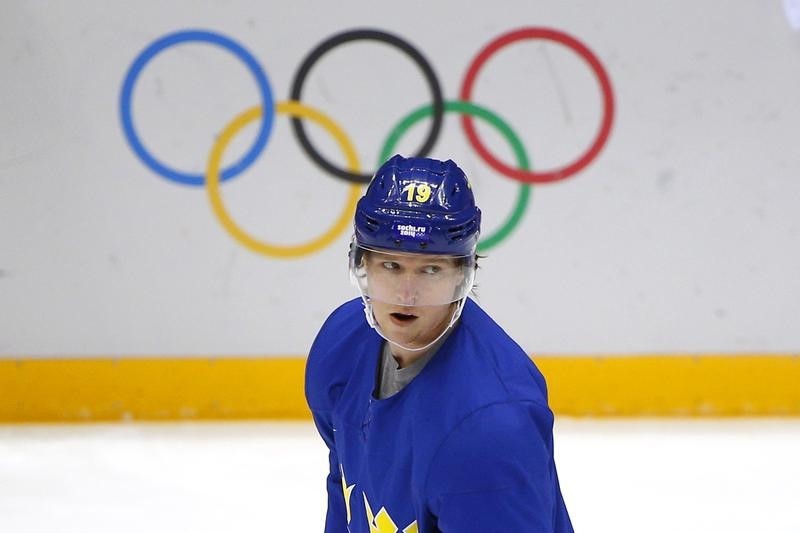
(407, 337)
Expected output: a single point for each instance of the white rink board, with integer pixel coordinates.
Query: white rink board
(682, 236)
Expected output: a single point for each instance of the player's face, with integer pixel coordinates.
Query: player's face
(413, 280)
(402, 284)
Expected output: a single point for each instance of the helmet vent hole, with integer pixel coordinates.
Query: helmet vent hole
(456, 229)
(372, 224)
(458, 233)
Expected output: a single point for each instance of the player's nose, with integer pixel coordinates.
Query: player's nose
(407, 290)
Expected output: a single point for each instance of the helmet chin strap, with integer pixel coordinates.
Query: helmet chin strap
(374, 325)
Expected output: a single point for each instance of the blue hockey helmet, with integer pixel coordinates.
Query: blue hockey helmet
(419, 205)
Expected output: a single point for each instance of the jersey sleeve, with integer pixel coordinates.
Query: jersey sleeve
(495, 472)
(336, 517)
(325, 378)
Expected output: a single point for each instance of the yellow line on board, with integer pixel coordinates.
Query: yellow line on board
(152, 388)
(674, 385)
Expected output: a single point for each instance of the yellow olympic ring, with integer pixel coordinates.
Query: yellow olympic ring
(294, 109)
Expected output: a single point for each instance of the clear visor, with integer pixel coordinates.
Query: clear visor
(411, 279)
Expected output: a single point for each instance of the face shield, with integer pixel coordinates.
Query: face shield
(411, 279)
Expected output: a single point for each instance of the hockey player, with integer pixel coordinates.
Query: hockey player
(435, 419)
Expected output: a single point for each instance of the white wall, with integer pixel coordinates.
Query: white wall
(681, 236)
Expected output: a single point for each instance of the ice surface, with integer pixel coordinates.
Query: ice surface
(616, 475)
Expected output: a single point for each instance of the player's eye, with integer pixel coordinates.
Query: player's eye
(390, 265)
(431, 269)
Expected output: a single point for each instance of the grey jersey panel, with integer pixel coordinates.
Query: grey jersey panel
(392, 379)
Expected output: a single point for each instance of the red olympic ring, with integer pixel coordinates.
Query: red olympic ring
(542, 176)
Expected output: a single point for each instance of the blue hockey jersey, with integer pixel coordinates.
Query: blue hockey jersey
(467, 446)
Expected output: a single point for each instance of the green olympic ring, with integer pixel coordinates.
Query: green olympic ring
(502, 127)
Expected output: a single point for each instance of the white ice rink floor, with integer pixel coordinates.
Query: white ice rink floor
(617, 476)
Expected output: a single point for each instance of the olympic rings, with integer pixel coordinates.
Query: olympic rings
(195, 36)
(294, 109)
(597, 68)
(467, 108)
(352, 172)
(356, 35)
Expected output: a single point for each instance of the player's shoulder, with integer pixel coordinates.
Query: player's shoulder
(337, 333)
(504, 443)
(479, 372)
(331, 359)
(499, 362)
(511, 422)
(351, 307)
(343, 316)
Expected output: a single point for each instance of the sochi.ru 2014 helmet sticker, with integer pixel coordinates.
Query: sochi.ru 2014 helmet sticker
(354, 174)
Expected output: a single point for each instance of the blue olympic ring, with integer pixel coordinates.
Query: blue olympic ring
(267, 102)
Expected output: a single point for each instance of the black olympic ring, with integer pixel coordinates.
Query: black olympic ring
(373, 35)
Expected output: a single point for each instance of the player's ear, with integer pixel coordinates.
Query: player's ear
(356, 253)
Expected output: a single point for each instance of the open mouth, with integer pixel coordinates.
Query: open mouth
(402, 317)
